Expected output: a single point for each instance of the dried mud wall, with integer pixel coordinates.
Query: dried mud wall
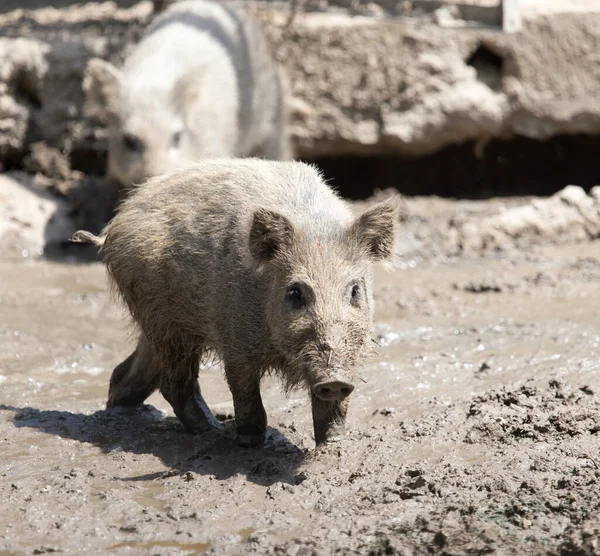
(360, 85)
(411, 87)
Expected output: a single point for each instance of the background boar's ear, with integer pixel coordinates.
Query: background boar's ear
(188, 87)
(270, 233)
(101, 83)
(375, 230)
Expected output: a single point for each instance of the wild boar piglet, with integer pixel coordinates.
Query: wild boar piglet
(259, 262)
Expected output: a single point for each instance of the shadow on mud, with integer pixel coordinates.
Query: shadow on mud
(145, 430)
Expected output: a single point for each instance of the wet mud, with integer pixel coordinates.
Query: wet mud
(475, 429)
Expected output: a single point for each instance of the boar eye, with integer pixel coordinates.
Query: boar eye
(131, 142)
(355, 294)
(176, 139)
(295, 297)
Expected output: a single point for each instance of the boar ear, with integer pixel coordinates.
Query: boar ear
(270, 233)
(101, 83)
(188, 87)
(375, 230)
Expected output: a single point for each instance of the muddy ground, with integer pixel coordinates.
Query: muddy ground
(476, 429)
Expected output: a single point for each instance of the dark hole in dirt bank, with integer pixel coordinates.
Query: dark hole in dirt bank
(488, 65)
(505, 168)
(25, 87)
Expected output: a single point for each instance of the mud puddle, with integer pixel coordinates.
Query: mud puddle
(476, 428)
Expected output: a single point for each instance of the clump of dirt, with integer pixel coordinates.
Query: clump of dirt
(39, 213)
(50, 168)
(23, 68)
(569, 216)
(533, 414)
(92, 199)
(31, 218)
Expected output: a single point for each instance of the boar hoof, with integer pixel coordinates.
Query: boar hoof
(250, 436)
(197, 417)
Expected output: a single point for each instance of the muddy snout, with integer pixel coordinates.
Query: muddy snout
(333, 390)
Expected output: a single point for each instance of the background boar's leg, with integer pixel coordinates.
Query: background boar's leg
(250, 415)
(329, 418)
(277, 146)
(179, 385)
(136, 378)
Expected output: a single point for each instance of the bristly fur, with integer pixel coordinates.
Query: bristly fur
(204, 259)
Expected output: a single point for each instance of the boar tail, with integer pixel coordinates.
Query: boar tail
(81, 236)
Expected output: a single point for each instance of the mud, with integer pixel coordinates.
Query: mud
(476, 429)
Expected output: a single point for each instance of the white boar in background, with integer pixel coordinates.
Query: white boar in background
(201, 83)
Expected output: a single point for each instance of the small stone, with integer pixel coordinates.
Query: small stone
(128, 529)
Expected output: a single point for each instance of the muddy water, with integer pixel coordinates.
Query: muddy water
(75, 477)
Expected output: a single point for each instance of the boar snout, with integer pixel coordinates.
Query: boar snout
(333, 390)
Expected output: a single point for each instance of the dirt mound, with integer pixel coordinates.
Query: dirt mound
(40, 212)
(396, 86)
(30, 217)
(569, 216)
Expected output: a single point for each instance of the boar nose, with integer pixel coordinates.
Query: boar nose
(334, 390)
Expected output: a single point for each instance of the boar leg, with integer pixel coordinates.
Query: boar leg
(277, 145)
(179, 385)
(250, 415)
(329, 418)
(136, 378)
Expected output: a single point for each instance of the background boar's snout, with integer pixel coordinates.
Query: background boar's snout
(334, 390)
